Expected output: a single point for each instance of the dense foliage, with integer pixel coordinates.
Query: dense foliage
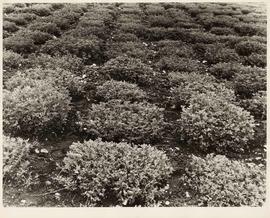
(219, 181)
(184, 78)
(131, 175)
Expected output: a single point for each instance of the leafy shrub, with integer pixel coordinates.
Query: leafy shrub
(125, 37)
(160, 21)
(174, 63)
(35, 109)
(213, 124)
(132, 175)
(222, 31)
(64, 18)
(57, 76)
(128, 69)
(174, 48)
(41, 9)
(250, 81)
(156, 34)
(16, 165)
(138, 29)
(256, 60)
(117, 120)
(66, 62)
(248, 47)
(120, 90)
(131, 49)
(256, 105)
(217, 53)
(50, 28)
(8, 9)
(88, 49)
(225, 70)
(18, 19)
(249, 30)
(37, 36)
(19, 44)
(186, 85)
(219, 181)
(10, 27)
(11, 61)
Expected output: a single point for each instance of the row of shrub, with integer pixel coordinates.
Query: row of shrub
(95, 171)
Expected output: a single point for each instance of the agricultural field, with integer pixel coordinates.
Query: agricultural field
(131, 105)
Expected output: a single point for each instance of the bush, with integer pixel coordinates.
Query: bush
(138, 29)
(250, 81)
(16, 165)
(11, 61)
(213, 124)
(256, 60)
(174, 48)
(120, 90)
(58, 77)
(67, 62)
(131, 175)
(160, 21)
(131, 49)
(117, 120)
(19, 44)
(256, 105)
(18, 19)
(50, 28)
(174, 63)
(90, 50)
(125, 37)
(217, 53)
(222, 31)
(246, 48)
(249, 30)
(226, 70)
(10, 27)
(41, 10)
(35, 109)
(128, 69)
(221, 182)
(187, 85)
(38, 37)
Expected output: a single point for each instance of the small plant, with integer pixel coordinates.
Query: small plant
(130, 175)
(10, 27)
(250, 81)
(120, 90)
(226, 70)
(216, 53)
(213, 124)
(35, 108)
(186, 85)
(117, 120)
(246, 48)
(16, 164)
(221, 182)
(129, 69)
(256, 105)
(256, 60)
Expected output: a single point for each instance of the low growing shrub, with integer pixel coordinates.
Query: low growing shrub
(221, 182)
(186, 85)
(213, 124)
(117, 120)
(249, 81)
(256, 105)
(120, 90)
(130, 175)
(35, 109)
(246, 48)
(256, 60)
(16, 165)
(129, 69)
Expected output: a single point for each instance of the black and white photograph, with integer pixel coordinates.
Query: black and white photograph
(143, 104)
